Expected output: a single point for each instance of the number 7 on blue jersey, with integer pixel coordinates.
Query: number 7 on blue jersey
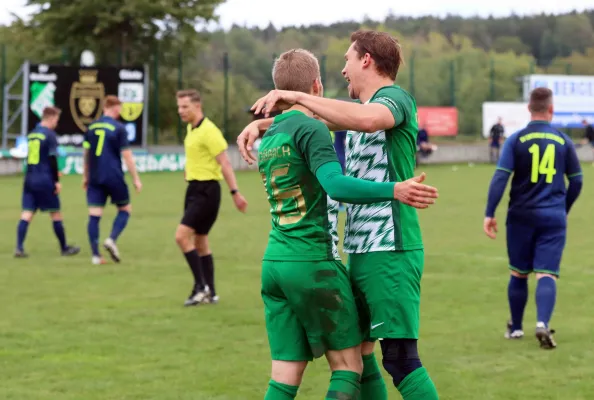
(100, 142)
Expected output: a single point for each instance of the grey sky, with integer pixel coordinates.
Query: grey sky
(261, 12)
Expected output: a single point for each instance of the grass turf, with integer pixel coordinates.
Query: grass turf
(72, 331)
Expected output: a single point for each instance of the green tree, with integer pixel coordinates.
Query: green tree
(573, 33)
(504, 44)
(130, 26)
(549, 48)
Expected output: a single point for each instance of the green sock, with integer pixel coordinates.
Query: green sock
(280, 391)
(418, 386)
(373, 386)
(344, 385)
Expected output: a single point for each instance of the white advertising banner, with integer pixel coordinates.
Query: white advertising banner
(514, 116)
(571, 93)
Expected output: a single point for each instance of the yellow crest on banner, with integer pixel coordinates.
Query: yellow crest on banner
(86, 99)
(131, 111)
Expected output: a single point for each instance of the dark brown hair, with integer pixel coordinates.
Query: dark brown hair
(49, 112)
(383, 48)
(295, 70)
(540, 100)
(193, 94)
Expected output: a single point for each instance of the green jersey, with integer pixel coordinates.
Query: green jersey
(303, 220)
(384, 156)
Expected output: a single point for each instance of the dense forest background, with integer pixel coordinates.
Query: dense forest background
(450, 61)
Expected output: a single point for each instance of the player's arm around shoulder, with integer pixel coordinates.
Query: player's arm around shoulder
(336, 114)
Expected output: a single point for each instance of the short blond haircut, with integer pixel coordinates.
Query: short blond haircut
(192, 94)
(295, 70)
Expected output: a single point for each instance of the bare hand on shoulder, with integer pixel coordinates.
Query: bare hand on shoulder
(275, 100)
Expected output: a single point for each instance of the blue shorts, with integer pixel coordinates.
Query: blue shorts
(116, 190)
(44, 200)
(535, 249)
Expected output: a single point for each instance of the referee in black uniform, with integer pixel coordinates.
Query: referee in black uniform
(206, 164)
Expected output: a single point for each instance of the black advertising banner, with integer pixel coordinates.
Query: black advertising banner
(80, 92)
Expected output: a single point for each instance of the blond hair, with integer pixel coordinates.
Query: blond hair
(295, 70)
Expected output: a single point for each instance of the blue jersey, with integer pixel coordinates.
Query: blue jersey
(422, 137)
(105, 139)
(539, 157)
(43, 144)
(339, 146)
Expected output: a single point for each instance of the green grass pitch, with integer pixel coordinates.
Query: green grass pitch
(73, 331)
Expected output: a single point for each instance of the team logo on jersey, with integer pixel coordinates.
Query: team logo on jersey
(86, 99)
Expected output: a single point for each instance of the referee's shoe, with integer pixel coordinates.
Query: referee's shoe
(198, 296)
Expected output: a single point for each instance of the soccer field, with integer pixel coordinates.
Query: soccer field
(73, 331)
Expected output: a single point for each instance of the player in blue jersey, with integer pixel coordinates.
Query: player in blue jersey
(539, 157)
(105, 144)
(42, 182)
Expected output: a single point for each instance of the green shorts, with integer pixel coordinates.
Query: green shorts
(387, 287)
(309, 309)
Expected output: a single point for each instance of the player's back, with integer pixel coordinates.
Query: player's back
(42, 145)
(105, 139)
(541, 159)
(301, 229)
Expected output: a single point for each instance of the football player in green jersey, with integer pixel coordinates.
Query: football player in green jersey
(383, 240)
(310, 308)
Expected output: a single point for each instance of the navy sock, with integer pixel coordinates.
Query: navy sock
(60, 234)
(119, 223)
(93, 230)
(517, 294)
(546, 294)
(21, 233)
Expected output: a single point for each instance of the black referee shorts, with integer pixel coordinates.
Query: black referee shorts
(201, 205)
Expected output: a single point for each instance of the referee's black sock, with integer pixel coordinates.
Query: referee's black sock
(194, 262)
(208, 268)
